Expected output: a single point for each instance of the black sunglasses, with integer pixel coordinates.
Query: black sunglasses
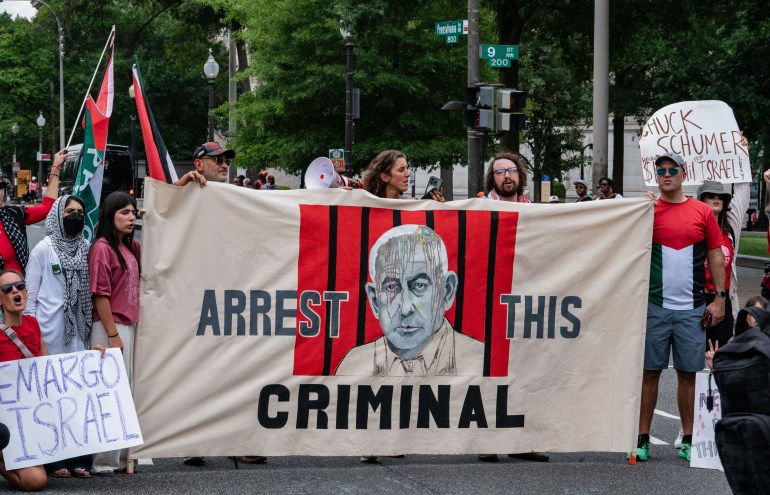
(710, 195)
(219, 159)
(7, 288)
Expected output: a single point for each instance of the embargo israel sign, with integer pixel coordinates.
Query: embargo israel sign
(66, 405)
(705, 133)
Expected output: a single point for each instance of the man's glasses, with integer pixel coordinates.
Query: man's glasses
(219, 159)
(7, 288)
(502, 171)
(604, 184)
(580, 187)
(671, 170)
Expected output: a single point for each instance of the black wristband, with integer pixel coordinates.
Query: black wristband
(113, 336)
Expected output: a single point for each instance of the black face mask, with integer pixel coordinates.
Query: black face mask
(73, 223)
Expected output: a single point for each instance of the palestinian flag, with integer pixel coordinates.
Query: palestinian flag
(158, 160)
(88, 185)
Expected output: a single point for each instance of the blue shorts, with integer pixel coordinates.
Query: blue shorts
(680, 329)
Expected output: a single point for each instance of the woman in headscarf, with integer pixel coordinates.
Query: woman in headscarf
(60, 297)
(14, 250)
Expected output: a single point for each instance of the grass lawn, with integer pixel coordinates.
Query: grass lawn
(754, 246)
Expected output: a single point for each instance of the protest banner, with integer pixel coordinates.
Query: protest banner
(66, 405)
(336, 323)
(704, 447)
(705, 133)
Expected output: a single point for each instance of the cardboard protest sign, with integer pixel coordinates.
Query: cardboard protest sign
(704, 447)
(705, 133)
(66, 405)
(331, 322)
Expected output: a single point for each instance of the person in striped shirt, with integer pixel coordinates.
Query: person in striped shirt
(685, 234)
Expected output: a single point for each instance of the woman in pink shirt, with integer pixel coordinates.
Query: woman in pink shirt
(113, 264)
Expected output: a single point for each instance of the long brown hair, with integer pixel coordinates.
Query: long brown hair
(489, 179)
(382, 163)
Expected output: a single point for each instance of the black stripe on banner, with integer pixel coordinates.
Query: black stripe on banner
(429, 221)
(363, 268)
(396, 218)
(330, 285)
(460, 302)
(490, 292)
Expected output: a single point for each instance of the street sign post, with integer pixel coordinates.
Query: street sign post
(499, 56)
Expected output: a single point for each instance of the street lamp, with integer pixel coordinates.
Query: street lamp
(211, 69)
(60, 32)
(132, 95)
(40, 125)
(349, 44)
(583, 156)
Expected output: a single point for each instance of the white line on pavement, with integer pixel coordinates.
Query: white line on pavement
(665, 414)
(657, 441)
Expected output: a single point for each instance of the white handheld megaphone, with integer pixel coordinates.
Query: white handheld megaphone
(320, 174)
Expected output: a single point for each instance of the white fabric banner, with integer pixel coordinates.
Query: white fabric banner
(704, 447)
(66, 405)
(705, 133)
(331, 322)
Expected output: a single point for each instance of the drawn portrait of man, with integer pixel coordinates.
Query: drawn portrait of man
(411, 289)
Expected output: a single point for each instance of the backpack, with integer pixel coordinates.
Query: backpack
(742, 373)
(743, 443)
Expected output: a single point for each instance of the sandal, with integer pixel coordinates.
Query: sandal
(80, 473)
(60, 473)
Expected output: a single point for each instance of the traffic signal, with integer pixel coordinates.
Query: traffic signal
(479, 107)
(510, 109)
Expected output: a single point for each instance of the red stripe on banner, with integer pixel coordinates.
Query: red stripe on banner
(380, 221)
(504, 263)
(413, 217)
(445, 225)
(312, 270)
(475, 283)
(348, 254)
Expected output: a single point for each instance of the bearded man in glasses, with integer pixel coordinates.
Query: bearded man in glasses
(506, 178)
(211, 163)
(684, 235)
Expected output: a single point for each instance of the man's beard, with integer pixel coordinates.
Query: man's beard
(507, 194)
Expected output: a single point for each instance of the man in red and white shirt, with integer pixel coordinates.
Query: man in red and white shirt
(506, 178)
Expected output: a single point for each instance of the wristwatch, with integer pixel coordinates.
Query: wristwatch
(721, 293)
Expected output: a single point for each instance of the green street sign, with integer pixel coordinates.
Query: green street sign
(499, 52)
(337, 153)
(449, 27)
(452, 39)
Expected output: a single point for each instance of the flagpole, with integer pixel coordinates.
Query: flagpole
(88, 91)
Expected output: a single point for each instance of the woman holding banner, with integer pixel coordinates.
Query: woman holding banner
(387, 175)
(14, 250)
(60, 297)
(19, 339)
(113, 264)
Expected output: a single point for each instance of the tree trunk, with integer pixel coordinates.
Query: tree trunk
(447, 181)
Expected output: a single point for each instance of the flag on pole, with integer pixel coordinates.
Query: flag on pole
(158, 160)
(88, 184)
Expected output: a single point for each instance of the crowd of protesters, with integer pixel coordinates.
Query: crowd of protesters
(67, 296)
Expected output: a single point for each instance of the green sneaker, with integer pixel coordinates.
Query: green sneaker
(684, 452)
(642, 452)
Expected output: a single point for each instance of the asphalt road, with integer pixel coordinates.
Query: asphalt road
(573, 473)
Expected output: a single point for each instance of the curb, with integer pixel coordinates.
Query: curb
(757, 262)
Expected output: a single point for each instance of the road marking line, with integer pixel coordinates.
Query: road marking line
(657, 441)
(145, 462)
(665, 414)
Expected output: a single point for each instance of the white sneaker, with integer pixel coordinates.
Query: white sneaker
(678, 441)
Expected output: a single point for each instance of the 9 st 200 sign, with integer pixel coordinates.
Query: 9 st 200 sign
(499, 55)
